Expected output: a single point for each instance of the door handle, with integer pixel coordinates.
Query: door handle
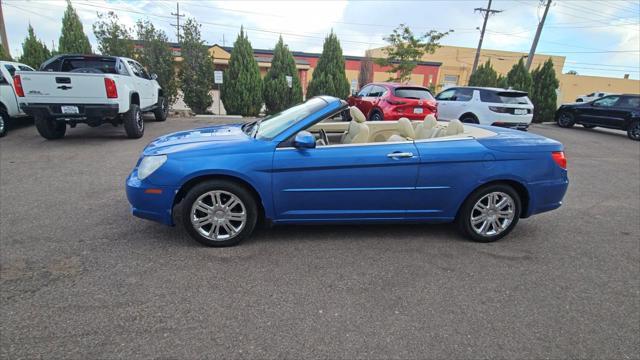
(398, 155)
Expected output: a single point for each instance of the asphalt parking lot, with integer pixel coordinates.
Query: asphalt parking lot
(82, 278)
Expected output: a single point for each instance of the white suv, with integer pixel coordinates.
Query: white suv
(9, 109)
(486, 106)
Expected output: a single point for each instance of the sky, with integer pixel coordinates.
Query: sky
(600, 38)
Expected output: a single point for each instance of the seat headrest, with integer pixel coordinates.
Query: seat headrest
(357, 115)
(405, 128)
(429, 122)
(455, 127)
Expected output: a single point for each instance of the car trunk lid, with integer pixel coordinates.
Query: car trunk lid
(508, 140)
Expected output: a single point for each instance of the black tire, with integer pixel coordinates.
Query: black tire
(588, 126)
(376, 116)
(469, 119)
(579, 100)
(49, 128)
(4, 122)
(463, 219)
(240, 192)
(162, 111)
(633, 131)
(133, 122)
(565, 119)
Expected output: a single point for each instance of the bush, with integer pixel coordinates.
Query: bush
(329, 77)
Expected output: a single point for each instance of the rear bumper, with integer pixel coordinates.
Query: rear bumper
(410, 116)
(85, 111)
(153, 205)
(546, 195)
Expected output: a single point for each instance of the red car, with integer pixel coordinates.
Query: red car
(391, 101)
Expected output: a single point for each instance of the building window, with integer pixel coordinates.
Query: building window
(449, 81)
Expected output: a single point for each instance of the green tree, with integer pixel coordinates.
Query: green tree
(34, 52)
(329, 77)
(502, 82)
(365, 76)
(242, 85)
(543, 92)
(73, 39)
(156, 55)
(519, 78)
(196, 75)
(275, 88)
(484, 75)
(405, 50)
(113, 38)
(3, 55)
(572, 72)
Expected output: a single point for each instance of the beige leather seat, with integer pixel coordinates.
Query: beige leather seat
(405, 131)
(358, 131)
(427, 128)
(455, 127)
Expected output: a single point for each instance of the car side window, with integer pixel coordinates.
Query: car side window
(606, 101)
(376, 91)
(24, 68)
(138, 70)
(464, 94)
(364, 91)
(446, 95)
(11, 69)
(3, 81)
(630, 101)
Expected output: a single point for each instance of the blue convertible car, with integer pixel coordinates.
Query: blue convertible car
(300, 166)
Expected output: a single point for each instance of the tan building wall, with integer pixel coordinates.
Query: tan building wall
(572, 86)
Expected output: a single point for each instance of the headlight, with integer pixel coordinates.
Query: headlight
(149, 164)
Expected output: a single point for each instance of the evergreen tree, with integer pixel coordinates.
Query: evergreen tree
(519, 78)
(242, 85)
(277, 93)
(502, 82)
(543, 92)
(3, 55)
(329, 77)
(113, 38)
(73, 39)
(34, 52)
(484, 76)
(156, 55)
(196, 75)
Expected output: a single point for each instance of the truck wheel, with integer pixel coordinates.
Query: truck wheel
(162, 110)
(4, 122)
(49, 128)
(133, 122)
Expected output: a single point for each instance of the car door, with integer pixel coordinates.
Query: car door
(445, 100)
(143, 84)
(356, 100)
(344, 182)
(462, 102)
(368, 101)
(601, 112)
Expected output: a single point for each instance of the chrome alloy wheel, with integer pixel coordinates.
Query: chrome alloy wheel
(492, 214)
(139, 120)
(218, 215)
(2, 124)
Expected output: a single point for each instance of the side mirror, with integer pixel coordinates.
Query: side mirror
(304, 140)
(154, 77)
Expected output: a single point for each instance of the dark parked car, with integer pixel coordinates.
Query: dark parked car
(621, 112)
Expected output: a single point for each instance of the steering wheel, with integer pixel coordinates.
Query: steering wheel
(324, 136)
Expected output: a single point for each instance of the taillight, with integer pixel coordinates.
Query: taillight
(110, 86)
(499, 109)
(17, 86)
(432, 105)
(395, 102)
(560, 159)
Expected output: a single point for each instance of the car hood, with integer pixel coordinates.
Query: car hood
(509, 140)
(213, 136)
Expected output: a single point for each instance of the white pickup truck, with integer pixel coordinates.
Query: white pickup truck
(91, 89)
(9, 109)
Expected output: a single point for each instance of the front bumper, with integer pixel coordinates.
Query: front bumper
(150, 202)
(85, 111)
(510, 125)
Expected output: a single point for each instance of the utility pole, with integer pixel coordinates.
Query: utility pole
(3, 34)
(177, 24)
(485, 13)
(532, 52)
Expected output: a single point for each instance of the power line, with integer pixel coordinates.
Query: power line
(485, 13)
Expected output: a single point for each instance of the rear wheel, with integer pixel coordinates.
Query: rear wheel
(219, 213)
(4, 122)
(633, 131)
(162, 110)
(133, 122)
(588, 126)
(469, 119)
(489, 213)
(49, 128)
(376, 116)
(565, 120)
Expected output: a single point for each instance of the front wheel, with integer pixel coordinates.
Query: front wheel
(633, 131)
(489, 213)
(133, 122)
(565, 120)
(377, 116)
(49, 128)
(161, 112)
(219, 213)
(4, 119)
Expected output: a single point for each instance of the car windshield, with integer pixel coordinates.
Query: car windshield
(270, 126)
(90, 65)
(413, 93)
